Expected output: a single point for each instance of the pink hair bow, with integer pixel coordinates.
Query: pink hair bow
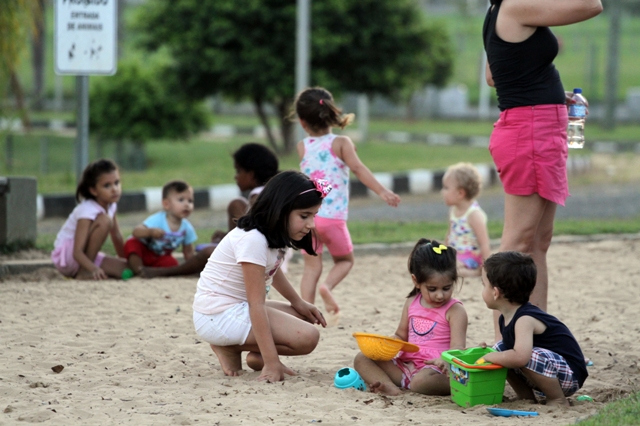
(321, 185)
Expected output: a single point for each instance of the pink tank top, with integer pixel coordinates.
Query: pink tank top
(429, 329)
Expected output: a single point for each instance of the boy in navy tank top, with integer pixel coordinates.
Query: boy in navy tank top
(537, 348)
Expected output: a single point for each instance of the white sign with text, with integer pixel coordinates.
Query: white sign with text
(86, 37)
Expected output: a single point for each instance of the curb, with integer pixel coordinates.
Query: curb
(217, 197)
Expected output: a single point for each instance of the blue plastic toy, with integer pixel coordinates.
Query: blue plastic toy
(349, 378)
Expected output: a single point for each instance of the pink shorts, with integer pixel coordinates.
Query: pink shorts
(529, 148)
(470, 259)
(64, 261)
(335, 234)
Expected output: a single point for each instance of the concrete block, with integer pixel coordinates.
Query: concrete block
(153, 196)
(386, 179)
(440, 139)
(221, 195)
(18, 210)
(399, 137)
(420, 181)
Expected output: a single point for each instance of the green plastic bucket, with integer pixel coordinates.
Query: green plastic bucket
(474, 384)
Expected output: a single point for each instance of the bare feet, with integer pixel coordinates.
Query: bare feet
(230, 360)
(330, 303)
(385, 389)
(255, 361)
(559, 402)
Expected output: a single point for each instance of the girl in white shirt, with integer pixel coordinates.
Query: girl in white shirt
(231, 310)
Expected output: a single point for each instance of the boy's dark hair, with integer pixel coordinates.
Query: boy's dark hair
(270, 212)
(174, 186)
(425, 262)
(513, 273)
(316, 107)
(90, 177)
(257, 158)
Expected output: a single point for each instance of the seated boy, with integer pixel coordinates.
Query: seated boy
(255, 164)
(154, 240)
(537, 348)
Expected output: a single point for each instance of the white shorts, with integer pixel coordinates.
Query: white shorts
(227, 328)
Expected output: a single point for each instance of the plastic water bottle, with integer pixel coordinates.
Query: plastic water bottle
(577, 116)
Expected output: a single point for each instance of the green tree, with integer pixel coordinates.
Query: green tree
(245, 49)
(138, 104)
(17, 20)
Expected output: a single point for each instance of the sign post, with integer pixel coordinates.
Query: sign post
(85, 43)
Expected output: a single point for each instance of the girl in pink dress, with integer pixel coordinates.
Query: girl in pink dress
(431, 319)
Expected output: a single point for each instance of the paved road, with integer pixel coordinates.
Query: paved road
(589, 202)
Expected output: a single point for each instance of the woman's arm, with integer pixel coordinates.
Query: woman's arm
(346, 151)
(479, 227)
(306, 310)
(116, 237)
(273, 369)
(549, 13)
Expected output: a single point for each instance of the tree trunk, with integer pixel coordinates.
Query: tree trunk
(38, 52)
(138, 156)
(265, 123)
(611, 91)
(16, 88)
(286, 125)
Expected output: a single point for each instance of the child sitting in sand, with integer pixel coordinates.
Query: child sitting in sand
(76, 252)
(467, 231)
(539, 350)
(431, 319)
(153, 241)
(255, 164)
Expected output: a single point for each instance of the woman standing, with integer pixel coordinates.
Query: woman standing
(528, 143)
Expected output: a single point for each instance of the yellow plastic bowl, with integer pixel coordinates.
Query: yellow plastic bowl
(381, 348)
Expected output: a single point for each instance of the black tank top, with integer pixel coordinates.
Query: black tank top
(556, 338)
(523, 73)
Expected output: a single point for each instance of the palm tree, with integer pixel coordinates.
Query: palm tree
(17, 20)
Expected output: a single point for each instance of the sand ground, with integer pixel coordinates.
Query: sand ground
(130, 355)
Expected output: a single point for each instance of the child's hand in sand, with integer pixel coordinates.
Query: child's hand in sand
(274, 372)
(310, 313)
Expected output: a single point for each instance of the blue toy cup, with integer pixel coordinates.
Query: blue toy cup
(349, 378)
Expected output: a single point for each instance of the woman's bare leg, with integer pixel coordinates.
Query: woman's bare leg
(528, 228)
